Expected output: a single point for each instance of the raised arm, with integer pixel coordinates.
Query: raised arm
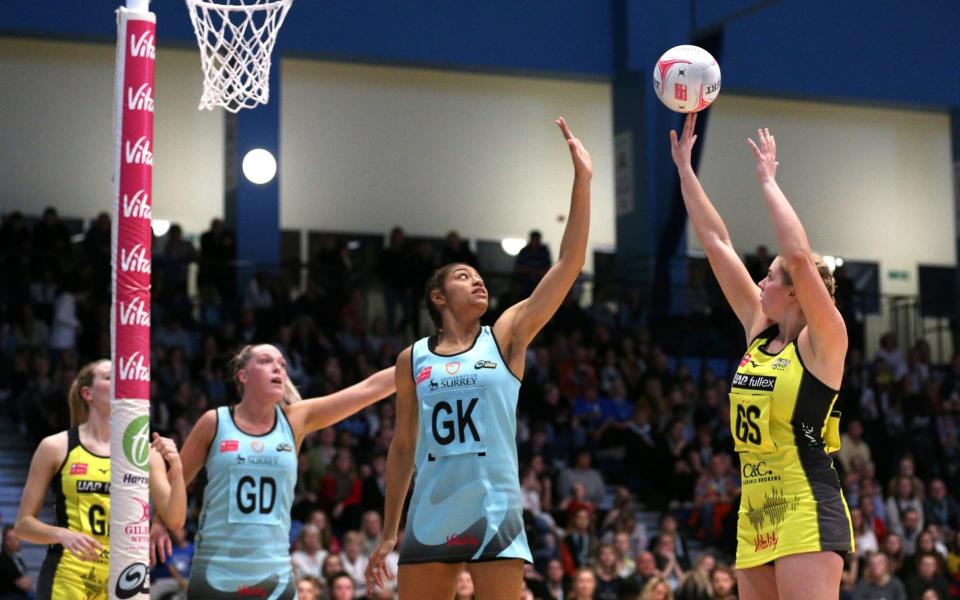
(316, 413)
(167, 488)
(521, 322)
(399, 469)
(193, 456)
(741, 292)
(825, 332)
(47, 459)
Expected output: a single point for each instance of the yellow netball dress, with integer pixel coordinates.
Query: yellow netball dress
(82, 491)
(784, 428)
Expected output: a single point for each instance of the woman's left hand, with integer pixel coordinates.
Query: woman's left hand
(167, 448)
(582, 164)
(766, 155)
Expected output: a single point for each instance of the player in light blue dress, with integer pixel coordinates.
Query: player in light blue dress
(456, 426)
(250, 454)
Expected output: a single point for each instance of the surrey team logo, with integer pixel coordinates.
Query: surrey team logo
(256, 446)
(452, 367)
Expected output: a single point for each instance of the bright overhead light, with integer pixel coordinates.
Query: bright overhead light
(160, 227)
(259, 166)
(513, 246)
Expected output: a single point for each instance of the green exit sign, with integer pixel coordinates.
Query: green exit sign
(899, 275)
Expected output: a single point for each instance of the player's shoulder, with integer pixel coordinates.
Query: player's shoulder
(53, 448)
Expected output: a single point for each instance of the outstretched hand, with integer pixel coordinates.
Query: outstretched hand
(766, 155)
(582, 164)
(682, 148)
(377, 570)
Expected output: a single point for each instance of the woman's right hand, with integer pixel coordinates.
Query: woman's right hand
(377, 566)
(681, 149)
(82, 545)
(160, 545)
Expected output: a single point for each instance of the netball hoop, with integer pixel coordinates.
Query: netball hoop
(236, 39)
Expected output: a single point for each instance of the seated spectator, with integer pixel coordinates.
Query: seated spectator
(646, 570)
(878, 582)
(309, 555)
(340, 492)
(374, 485)
(928, 576)
(354, 561)
(577, 501)
(724, 583)
(581, 471)
(15, 584)
(657, 588)
(667, 561)
(626, 566)
(343, 587)
(904, 498)
(910, 530)
(464, 590)
(852, 446)
(370, 528)
(308, 588)
(866, 537)
(578, 546)
(896, 557)
(331, 566)
(940, 508)
(669, 526)
(584, 585)
(609, 582)
(713, 498)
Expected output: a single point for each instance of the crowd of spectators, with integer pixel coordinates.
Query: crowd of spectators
(629, 482)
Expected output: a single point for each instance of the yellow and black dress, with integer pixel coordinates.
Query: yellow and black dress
(784, 428)
(82, 491)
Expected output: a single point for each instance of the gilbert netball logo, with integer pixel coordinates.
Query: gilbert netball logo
(144, 511)
(143, 46)
(452, 367)
(136, 442)
(137, 206)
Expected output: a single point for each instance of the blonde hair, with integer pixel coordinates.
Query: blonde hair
(826, 275)
(79, 408)
(652, 585)
(240, 360)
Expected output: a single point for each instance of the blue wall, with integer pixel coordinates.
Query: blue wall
(563, 37)
(857, 50)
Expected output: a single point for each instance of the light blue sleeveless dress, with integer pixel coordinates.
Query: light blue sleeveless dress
(466, 503)
(242, 546)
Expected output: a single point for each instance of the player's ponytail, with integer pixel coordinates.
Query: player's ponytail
(79, 409)
(435, 283)
(825, 274)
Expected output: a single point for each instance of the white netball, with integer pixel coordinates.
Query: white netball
(686, 79)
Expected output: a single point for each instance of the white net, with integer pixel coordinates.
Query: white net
(236, 40)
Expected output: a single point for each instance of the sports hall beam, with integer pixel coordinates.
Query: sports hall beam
(252, 210)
